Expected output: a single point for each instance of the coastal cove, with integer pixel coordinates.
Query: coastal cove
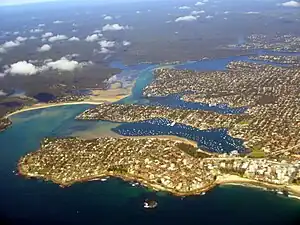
(38, 201)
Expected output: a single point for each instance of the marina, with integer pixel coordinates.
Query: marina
(215, 140)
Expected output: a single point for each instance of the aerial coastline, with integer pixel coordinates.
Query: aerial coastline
(161, 164)
(95, 97)
(150, 112)
(49, 105)
(215, 169)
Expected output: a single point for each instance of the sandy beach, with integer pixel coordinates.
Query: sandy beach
(225, 179)
(294, 190)
(46, 105)
(97, 97)
(228, 179)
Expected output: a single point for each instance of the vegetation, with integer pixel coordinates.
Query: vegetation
(257, 152)
(191, 150)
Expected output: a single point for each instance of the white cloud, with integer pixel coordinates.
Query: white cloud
(44, 48)
(21, 39)
(126, 43)
(74, 39)
(64, 64)
(27, 68)
(10, 44)
(97, 31)
(104, 51)
(108, 18)
(92, 38)
(2, 93)
(186, 18)
(58, 38)
(38, 30)
(16, 32)
(32, 38)
(112, 79)
(226, 12)
(22, 68)
(251, 12)
(107, 44)
(184, 7)
(114, 27)
(291, 4)
(33, 61)
(209, 17)
(41, 25)
(22, 2)
(47, 34)
(199, 3)
(2, 74)
(2, 50)
(194, 13)
(72, 56)
(138, 12)
(57, 21)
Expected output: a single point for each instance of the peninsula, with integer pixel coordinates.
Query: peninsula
(4, 123)
(162, 165)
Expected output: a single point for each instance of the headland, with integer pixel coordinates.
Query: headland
(162, 165)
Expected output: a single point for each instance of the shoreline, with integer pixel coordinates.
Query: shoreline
(90, 100)
(46, 105)
(164, 137)
(225, 179)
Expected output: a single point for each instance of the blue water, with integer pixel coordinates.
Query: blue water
(280, 53)
(215, 140)
(174, 101)
(31, 201)
(211, 65)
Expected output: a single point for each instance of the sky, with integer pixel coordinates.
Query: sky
(291, 3)
(23, 2)
(20, 2)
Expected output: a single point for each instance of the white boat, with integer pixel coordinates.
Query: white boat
(104, 179)
(134, 184)
(203, 193)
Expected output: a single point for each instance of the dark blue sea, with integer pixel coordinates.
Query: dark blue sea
(31, 201)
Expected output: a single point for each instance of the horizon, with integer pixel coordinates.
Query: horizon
(3, 3)
(32, 2)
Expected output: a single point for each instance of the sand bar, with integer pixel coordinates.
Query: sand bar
(46, 105)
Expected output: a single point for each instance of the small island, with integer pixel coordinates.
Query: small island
(150, 204)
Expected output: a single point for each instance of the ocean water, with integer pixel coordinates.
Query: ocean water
(31, 201)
